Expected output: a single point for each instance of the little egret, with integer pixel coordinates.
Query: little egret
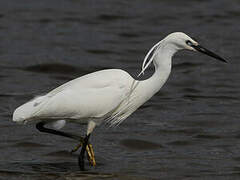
(104, 96)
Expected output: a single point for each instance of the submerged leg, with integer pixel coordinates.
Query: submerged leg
(90, 153)
(81, 155)
(83, 142)
(88, 147)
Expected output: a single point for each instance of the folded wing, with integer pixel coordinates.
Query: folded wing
(90, 96)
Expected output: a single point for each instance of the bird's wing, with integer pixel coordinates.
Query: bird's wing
(91, 96)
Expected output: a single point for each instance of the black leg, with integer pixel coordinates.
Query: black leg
(81, 155)
(40, 127)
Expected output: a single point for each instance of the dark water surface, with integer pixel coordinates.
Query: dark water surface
(189, 130)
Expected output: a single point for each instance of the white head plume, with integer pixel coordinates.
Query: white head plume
(153, 51)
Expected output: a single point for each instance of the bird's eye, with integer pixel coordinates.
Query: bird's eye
(188, 42)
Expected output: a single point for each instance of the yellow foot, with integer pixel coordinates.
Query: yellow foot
(90, 155)
(76, 148)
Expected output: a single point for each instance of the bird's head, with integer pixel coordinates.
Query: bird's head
(174, 42)
(182, 41)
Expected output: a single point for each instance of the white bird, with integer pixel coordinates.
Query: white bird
(104, 96)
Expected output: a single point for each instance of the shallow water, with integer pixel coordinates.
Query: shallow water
(189, 130)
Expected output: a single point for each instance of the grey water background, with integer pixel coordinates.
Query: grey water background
(189, 130)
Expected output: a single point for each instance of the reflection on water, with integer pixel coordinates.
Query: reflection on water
(189, 130)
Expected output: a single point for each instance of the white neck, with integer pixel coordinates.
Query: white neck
(162, 63)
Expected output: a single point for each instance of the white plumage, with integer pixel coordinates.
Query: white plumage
(92, 96)
(108, 95)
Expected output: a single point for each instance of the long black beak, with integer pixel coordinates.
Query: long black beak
(209, 53)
